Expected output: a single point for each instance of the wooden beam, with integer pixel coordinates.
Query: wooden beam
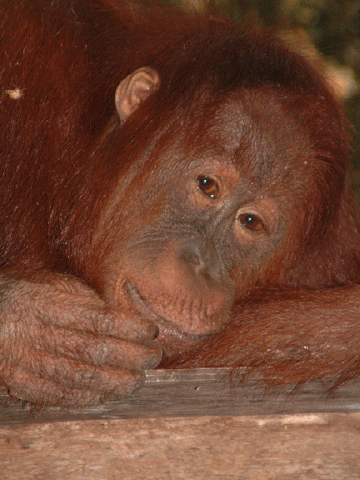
(197, 392)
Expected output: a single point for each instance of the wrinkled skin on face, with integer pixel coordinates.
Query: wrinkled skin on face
(201, 235)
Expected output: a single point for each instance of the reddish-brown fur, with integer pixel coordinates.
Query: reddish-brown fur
(113, 247)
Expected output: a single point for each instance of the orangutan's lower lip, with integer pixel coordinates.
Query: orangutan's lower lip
(138, 300)
(143, 308)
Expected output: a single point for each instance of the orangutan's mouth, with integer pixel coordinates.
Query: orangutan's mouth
(143, 307)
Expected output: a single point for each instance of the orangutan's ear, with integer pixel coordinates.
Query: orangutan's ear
(134, 89)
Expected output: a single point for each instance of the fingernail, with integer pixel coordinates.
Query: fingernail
(156, 333)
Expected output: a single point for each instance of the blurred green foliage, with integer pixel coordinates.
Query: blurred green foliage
(331, 26)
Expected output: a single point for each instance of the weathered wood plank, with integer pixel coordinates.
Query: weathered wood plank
(196, 393)
(271, 447)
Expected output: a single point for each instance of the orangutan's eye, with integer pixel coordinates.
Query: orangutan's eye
(251, 221)
(208, 186)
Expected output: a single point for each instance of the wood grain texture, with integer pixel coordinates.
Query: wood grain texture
(276, 447)
(198, 392)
